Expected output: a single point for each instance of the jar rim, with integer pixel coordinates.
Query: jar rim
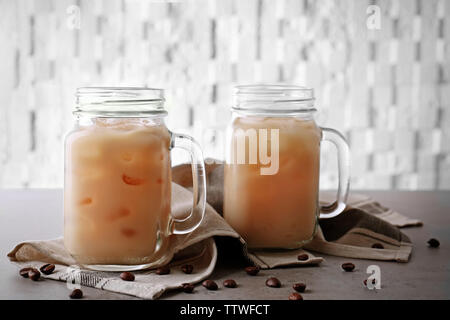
(120, 101)
(273, 98)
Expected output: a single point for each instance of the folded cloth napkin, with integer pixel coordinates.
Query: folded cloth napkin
(367, 204)
(197, 248)
(147, 284)
(351, 234)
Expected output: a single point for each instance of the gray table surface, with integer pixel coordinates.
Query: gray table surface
(37, 214)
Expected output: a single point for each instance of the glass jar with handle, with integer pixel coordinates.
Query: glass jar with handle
(117, 182)
(271, 178)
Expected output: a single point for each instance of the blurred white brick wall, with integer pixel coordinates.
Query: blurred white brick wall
(387, 89)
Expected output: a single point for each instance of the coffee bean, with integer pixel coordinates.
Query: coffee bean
(377, 246)
(373, 282)
(47, 268)
(163, 270)
(187, 268)
(76, 294)
(210, 285)
(433, 243)
(24, 272)
(188, 287)
(253, 271)
(303, 257)
(273, 282)
(127, 276)
(299, 287)
(295, 296)
(348, 266)
(230, 283)
(34, 274)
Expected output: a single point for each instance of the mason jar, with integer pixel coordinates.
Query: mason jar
(271, 178)
(117, 181)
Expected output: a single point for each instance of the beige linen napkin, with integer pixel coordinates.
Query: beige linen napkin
(147, 284)
(369, 205)
(351, 234)
(198, 248)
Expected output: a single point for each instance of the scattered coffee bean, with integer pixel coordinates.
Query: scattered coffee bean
(295, 296)
(373, 282)
(377, 246)
(24, 272)
(273, 282)
(127, 276)
(303, 257)
(76, 294)
(34, 274)
(210, 285)
(433, 243)
(253, 271)
(163, 270)
(47, 268)
(187, 268)
(299, 287)
(188, 287)
(348, 266)
(230, 283)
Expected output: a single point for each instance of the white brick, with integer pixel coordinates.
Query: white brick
(404, 141)
(384, 163)
(359, 165)
(425, 141)
(379, 181)
(382, 97)
(445, 140)
(407, 181)
(382, 74)
(360, 142)
(444, 96)
(382, 141)
(404, 96)
(404, 163)
(426, 181)
(426, 163)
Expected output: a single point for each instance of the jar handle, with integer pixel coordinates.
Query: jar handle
(191, 222)
(336, 207)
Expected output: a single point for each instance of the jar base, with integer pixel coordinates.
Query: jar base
(119, 268)
(294, 246)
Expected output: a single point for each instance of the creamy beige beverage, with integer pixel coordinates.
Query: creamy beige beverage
(279, 210)
(117, 190)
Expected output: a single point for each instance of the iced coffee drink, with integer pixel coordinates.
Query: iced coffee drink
(117, 190)
(275, 209)
(117, 180)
